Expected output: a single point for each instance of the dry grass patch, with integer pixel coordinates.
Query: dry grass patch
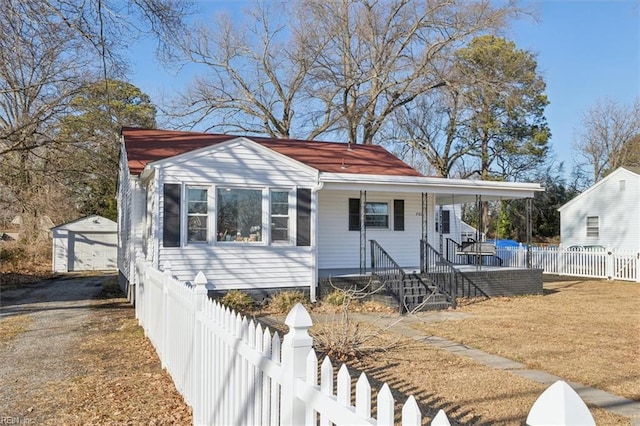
(583, 331)
(119, 380)
(12, 326)
(470, 393)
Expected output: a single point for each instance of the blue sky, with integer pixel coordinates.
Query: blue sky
(586, 50)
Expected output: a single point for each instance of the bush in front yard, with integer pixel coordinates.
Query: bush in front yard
(238, 301)
(283, 301)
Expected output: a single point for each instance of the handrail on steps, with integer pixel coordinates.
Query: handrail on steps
(383, 266)
(445, 276)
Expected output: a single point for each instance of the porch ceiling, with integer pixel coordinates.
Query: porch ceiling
(447, 191)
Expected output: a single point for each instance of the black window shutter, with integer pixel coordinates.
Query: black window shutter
(171, 223)
(398, 215)
(303, 217)
(354, 214)
(446, 221)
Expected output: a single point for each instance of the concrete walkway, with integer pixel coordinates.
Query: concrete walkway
(403, 325)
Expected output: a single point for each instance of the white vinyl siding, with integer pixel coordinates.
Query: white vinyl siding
(235, 266)
(124, 218)
(247, 264)
(618, 213)
(339, 248)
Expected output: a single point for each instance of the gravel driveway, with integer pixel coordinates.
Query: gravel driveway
(44, 352)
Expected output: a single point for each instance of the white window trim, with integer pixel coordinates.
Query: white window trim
(184, 214)
(291, 199)
(390, 212)
(265, 218)
(596, 227)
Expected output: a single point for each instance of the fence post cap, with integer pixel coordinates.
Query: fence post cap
(166, 267)
(560, 404)
(201, 283)
(298, 318)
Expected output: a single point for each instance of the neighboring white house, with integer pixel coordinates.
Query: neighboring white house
(86, 244)
(606, 214)
(261, 214)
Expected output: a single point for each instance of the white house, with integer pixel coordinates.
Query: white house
(85, 244)
(606, 214)
(261, 214)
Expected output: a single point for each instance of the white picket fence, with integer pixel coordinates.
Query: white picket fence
(233, 371)
(612, 264)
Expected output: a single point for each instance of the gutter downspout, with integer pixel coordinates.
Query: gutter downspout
(314, 246)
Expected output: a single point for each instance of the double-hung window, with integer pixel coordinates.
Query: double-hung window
(593, 226)
(197, 215)
(376, 214)
(279, 215)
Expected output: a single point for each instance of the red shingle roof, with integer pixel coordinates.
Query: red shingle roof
(144, 146)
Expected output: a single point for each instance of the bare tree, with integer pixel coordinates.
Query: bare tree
(609, 138)
(381, 55)
(342, 66)
(49, 49)
(255, 72)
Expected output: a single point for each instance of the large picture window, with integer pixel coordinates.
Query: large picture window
(197, 215)
(239, 214)
(279, 215)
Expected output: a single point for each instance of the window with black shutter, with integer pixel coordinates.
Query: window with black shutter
(303, 217)
(171, 215)
(354, 214)
(398, 215)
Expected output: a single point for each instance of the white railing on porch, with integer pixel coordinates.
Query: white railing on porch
(612, 264)
(231, 370)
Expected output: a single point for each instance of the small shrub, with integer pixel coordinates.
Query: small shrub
(283, 301)
(336, 298)
(13, 254)
(238, 301)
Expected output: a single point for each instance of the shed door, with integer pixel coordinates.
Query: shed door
(92, 251)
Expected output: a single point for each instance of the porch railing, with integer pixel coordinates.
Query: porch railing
(445, 276)
(388, 271)
(397, 281)
(452, 250)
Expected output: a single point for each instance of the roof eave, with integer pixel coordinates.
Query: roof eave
(434, 185)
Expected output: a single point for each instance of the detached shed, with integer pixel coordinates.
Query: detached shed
(86, 244)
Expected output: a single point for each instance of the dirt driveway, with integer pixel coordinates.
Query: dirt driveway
(71, 354)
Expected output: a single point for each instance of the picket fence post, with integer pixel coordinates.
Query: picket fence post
(295, 347)
(166, 271)
(139, 280)
(560, 404)
(610, 263)
(201, 295)
(638, 267)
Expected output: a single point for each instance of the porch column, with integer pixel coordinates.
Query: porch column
(425, 232)
(425, 204)
(479, 229)
(440, 236)
(363, 233)
(528, 208)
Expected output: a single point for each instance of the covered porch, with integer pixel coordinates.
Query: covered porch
(417, 269)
